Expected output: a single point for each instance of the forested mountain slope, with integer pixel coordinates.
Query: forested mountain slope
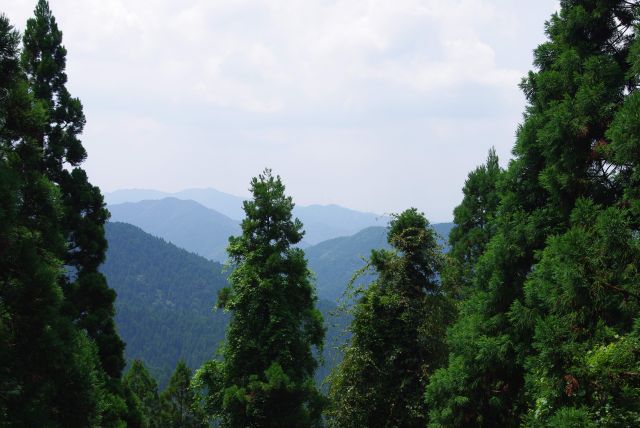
(164, 308)
(165, 302)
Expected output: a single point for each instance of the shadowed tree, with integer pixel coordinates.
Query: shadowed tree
(89, 300)
(49, 370)
(179, 404)
(138, 380)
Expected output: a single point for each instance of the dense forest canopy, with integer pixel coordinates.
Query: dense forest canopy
(530, 316)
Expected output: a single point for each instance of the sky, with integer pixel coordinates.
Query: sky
(373, 105)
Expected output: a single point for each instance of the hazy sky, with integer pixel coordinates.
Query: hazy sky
(374, 105)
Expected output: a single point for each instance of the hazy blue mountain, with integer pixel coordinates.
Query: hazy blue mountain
(229, 205)
(184, 223)
(133, 195)
(164, 308)
(224, 203)
(443, 230)
(321, 222)
(336, 260)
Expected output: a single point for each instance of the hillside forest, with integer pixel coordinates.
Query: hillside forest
(200, 309)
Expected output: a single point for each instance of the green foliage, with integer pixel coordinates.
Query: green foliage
(177, 407)
(179, 404)
(57, 370)
(89, 301)
(507, 353)
(474, 227)
(266, 376)
(50, 373)
(623, 151)
(144, 387)
(473, 223)
(397, 331)
(582, 301)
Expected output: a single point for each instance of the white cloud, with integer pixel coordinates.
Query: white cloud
(314, 87)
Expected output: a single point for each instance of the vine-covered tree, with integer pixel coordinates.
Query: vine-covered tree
(266, 377)
(89, 300)
(559, 159)
(398, 333)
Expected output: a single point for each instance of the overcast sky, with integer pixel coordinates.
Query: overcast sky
(373, 105)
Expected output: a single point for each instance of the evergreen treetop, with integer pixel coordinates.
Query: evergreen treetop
(266, 378)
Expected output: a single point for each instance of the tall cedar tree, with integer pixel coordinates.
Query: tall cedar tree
(49, 370)
(473, 225)
(145, 388)
(398, 329)
(89, 300)
(266, 378)
(582, 301)
(179, 405)
(573, 98)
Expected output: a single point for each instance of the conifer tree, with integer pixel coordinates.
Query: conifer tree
(179, 404)
(573, 97)
(266, 377)
(582, 302)
(398, 328)
(621, 148)
(89, 301)
(145, 388)
(473, 225)
(50, 372)
(473, 218)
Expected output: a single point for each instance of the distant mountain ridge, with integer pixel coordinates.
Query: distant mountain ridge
(204, 231)
(166, 294)
(335, 261)
(184, 223)
(224, 203)
(321, 222)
